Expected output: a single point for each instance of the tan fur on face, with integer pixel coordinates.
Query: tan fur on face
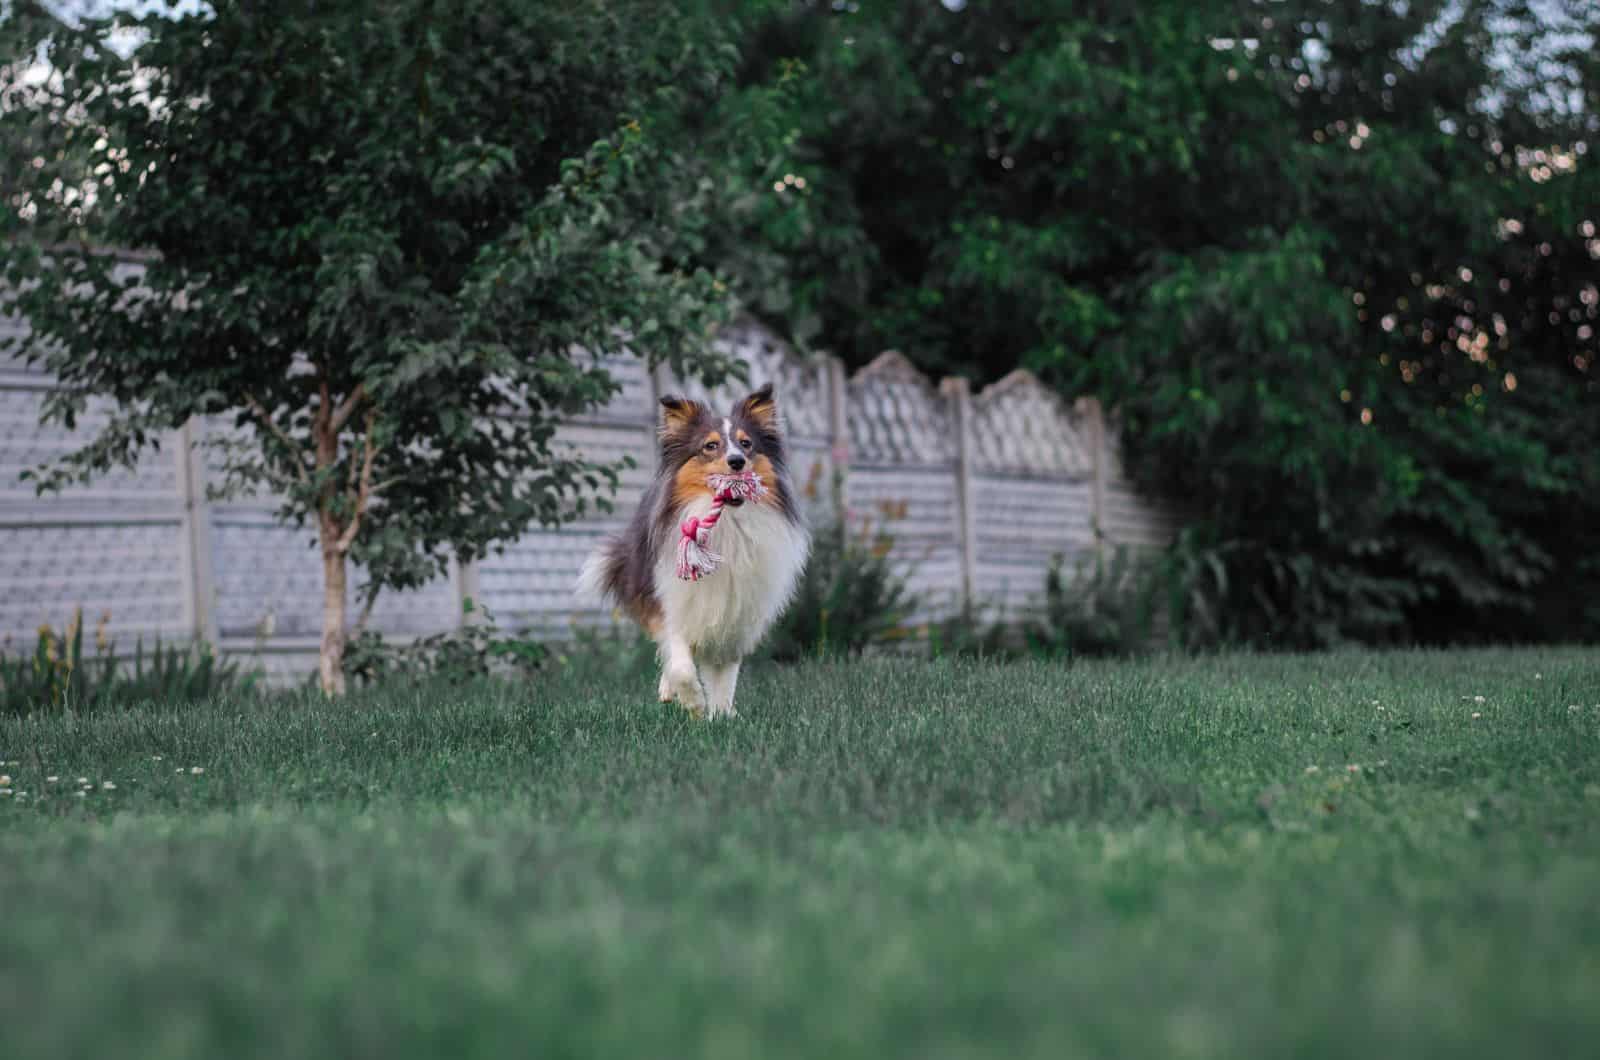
(689, 485)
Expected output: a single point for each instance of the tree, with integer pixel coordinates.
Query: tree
(1327, 257)
(391, 244)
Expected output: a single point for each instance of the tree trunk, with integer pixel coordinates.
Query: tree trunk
(330, 664)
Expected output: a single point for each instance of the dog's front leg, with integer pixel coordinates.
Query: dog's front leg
(720, 682)
(679, 677)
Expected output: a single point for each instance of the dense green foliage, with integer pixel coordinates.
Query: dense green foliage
(1335, 262)
(1335, 856)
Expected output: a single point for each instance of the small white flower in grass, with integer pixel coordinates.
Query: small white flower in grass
(1313, 769)
(51, 779)
(83, 780)
(108, 786)
(196, 770)
(4, 792)
(81, 794)
(1477, 699)
(1538, 677)
(155, 758)
(1477, 714)
(5, 780)
(1353, 768)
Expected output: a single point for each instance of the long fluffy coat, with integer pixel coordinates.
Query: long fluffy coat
(705, 628)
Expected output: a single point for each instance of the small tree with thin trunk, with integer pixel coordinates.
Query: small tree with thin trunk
(390, 246)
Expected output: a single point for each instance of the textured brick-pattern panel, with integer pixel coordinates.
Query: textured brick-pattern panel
(113, 547)
(531, 583)
(129, 570)
(897, 418)
(809, 469)
(1018, 424)
(24, 445)
(1132, 519)
(608, 446)
(1129, 517)
(270, 575)
(917, 508)
(634, 402)
(1022, 524)
(12, 364)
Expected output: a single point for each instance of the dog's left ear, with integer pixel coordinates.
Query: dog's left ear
(761, 408)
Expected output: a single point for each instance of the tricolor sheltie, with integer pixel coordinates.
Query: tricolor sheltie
(705, 626)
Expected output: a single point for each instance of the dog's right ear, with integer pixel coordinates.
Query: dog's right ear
(678, 413)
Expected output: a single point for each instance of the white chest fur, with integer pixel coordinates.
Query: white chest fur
(725, 613)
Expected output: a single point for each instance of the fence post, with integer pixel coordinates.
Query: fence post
(1096, 416)
(197, 571)
(838, 432)
(959, 394)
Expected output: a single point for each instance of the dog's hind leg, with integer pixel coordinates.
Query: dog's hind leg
(720, 683)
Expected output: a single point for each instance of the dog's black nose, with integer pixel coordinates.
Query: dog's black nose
(736, 461)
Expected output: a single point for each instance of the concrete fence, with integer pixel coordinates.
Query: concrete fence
(981, 491)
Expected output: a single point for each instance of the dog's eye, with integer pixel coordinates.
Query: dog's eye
(710, 447)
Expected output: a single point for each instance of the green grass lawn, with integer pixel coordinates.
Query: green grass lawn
(1391, 855)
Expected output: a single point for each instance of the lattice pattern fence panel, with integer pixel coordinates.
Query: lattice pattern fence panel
(1033, 479)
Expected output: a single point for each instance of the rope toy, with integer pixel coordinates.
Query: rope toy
(695, 558)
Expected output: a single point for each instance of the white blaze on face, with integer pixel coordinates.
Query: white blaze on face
(727, 435)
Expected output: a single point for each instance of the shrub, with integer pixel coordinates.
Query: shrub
(622, 653)
(1106, 608)
(58, 676)
(852, 594)
(476, 650)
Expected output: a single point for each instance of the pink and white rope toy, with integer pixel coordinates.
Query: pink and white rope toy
(695, 558)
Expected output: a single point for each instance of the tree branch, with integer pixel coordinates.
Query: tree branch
(369, 451)
(366, 612)
(341, 415)
(288, 443)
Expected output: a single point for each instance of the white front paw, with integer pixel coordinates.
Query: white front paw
(685, 687)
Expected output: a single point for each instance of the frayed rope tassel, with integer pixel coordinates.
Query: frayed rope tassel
(695, 558)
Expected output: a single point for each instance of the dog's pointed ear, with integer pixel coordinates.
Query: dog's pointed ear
(678, 413)
(761, 408)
